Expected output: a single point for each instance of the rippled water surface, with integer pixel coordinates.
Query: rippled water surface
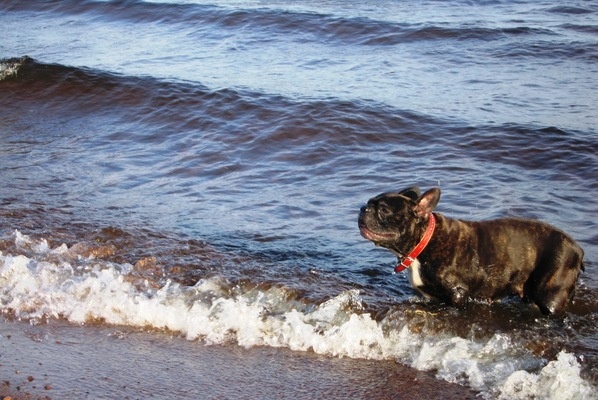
(197, 167)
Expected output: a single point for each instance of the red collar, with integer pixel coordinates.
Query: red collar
(407, 261)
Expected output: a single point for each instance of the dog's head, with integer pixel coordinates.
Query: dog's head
(392, 220)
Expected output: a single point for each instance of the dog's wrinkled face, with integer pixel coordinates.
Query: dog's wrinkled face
(389, 217)
(391, 220)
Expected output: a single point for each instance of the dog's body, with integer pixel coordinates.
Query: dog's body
(475, 260)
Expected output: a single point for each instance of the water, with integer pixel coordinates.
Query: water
(197, 167)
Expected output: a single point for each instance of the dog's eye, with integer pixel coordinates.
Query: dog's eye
(384, 210)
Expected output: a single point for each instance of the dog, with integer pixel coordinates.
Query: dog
(455, 261)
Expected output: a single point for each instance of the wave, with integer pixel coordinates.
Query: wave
(428, 33)
(158, 100)
(317, 126)
(39, 281)
(302, 26)
(576, 10)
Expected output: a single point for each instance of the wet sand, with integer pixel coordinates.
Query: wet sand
(64, 361)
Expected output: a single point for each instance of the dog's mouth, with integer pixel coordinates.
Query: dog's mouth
(375, 236)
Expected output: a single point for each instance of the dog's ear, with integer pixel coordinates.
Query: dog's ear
(412, 192)
(427, 202)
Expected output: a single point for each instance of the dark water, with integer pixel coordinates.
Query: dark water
(211, 158)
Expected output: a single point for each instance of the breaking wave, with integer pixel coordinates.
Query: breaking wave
(40, 281)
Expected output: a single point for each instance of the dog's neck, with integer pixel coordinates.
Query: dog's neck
(406, 261)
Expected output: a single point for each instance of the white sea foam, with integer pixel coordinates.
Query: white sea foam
(559, 379)
(9, 68)
(39, 284)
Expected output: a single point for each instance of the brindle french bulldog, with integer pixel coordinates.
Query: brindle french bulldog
(455, 261)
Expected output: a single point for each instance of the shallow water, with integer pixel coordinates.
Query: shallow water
(198, 167)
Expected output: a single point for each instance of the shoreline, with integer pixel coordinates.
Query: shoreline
(65, 361)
